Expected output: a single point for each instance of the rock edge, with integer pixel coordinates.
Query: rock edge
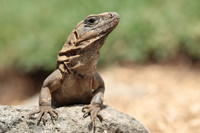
(70, 120)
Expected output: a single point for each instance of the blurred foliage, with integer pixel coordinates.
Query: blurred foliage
(33, 32)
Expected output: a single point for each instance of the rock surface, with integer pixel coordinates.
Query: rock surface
(15, 119)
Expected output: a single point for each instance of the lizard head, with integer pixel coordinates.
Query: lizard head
(94, 27)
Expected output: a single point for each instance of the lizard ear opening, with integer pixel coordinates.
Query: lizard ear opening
(73, 37)
(76, 35)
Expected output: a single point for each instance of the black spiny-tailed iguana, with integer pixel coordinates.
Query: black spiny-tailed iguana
(75, 81)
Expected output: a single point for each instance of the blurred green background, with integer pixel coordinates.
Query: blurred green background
(33, 32)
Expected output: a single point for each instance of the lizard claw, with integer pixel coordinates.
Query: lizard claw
(94, 112)
(43, 110)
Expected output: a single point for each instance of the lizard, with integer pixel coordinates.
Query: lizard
(75, 80)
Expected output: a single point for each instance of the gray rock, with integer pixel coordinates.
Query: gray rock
(15, 119)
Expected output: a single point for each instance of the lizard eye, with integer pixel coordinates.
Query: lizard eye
(91, 20)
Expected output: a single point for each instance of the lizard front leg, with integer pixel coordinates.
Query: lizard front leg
(95, 105)
(51, 83)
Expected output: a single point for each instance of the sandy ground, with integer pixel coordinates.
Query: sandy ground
(166, 99)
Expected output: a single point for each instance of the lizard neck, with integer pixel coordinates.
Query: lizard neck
(80, 59)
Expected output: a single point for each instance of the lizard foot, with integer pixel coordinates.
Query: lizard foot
(43, 110)
(94, 111)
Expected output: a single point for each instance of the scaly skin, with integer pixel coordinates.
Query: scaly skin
(75, 81)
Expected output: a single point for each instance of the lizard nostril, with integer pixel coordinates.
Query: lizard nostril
(110, 15)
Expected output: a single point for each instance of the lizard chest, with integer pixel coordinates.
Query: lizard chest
(73, 90)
